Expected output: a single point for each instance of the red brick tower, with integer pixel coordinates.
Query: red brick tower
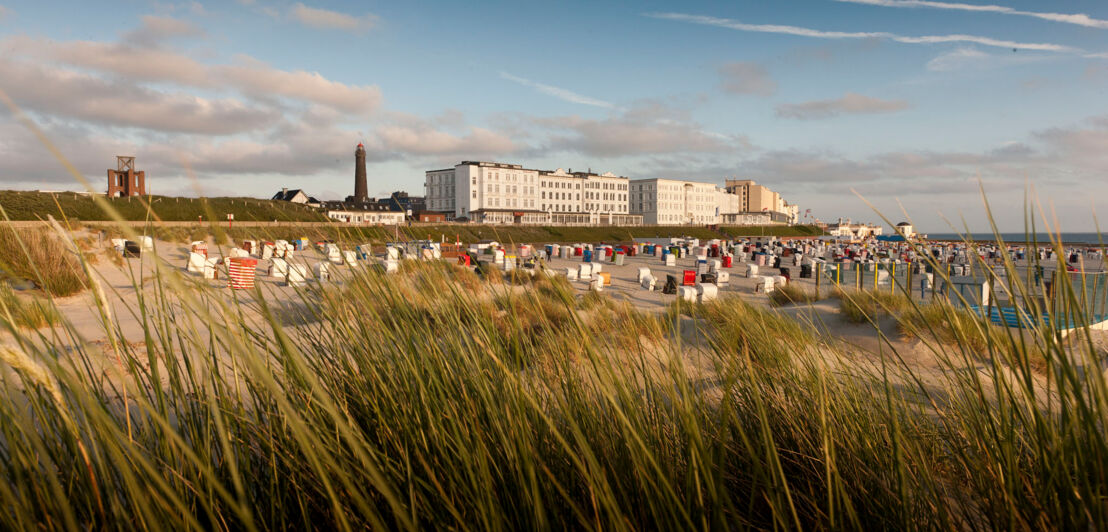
(124, 180)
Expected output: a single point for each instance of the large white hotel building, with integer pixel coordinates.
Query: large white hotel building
(498, 193)
(489, 192)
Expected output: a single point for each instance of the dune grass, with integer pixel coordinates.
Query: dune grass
(31, 205)
(790, 294)
(861, 306)
(39, 256)
(27, 313)
(437, 398)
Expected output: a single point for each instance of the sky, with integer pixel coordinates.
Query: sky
(849, 108)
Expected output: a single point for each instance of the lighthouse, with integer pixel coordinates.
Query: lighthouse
(361, 190)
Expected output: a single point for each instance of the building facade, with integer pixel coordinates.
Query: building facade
(125, 181)
(368, 213)
(857, 231)
(677, 202)
(491, 192)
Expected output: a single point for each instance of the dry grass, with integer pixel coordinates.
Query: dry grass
(862, 306)
(25, 312)
(38, 255)
(791, 294)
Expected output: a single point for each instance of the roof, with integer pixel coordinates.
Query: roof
(287, 195)
(903, 224)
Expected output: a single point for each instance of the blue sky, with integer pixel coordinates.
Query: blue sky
(907, 102)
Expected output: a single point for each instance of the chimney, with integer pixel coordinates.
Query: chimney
(284, 191)
(361, 190)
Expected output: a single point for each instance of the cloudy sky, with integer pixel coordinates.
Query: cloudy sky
(909, 103)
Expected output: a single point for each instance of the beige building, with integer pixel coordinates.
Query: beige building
(757, 198)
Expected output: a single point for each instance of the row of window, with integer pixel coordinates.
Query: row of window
(561, 184)
(606, 185)
(512, 178)
(561, 196)
(511, 202)
(589, 207)
(509, 189)
(607, 196)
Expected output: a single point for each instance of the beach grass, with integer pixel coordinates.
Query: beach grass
(789, 294)
(437, 398)
(26, 312)
(38, 255)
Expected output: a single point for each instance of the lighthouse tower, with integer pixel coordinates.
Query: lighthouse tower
(361, 190)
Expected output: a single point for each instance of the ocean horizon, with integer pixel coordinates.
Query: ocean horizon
(1090, 237)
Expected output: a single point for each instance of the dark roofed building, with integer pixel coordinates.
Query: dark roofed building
(296, 195)
(401, 201)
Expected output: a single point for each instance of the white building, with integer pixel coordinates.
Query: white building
(358, 217)
(906, 230)
(674, 202)
(489, 192)
(363, 213)
(857, 231)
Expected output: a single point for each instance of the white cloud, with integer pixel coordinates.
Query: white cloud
(957, 59)
(5, 12)
(850, 103)
(559, 93)
(156, 29)
(747, 78)
(819, 34)
(1079, 19)
(646, 128)
(246, 75)
(326, 19)
(65, 93)
(247, 118)
(137, 63)
(972, 58)
(261, 81)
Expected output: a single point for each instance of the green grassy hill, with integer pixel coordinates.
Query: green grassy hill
(23, 205)
(467, 233)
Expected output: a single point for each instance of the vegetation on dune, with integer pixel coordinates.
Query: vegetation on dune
(437, 397)
(735, 231)
(28, 205)
(379, 235)
(26, 313)
(434, 398)
(789, 294)
(40, 256)
(863, 306)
